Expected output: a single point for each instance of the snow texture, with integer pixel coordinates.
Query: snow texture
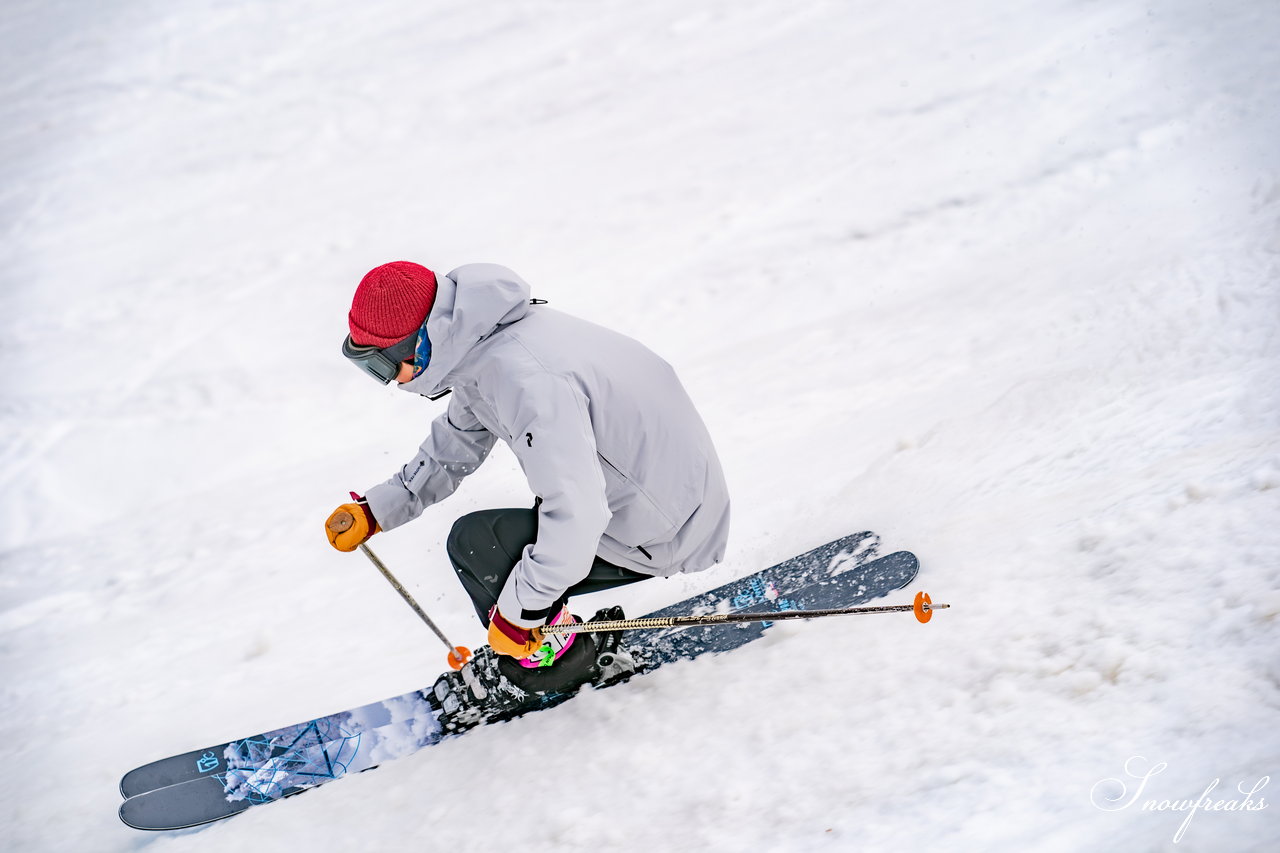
(998, 281)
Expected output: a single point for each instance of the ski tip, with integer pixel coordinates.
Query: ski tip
(134, 782)
(125, 813)
(459, 656)
(904, 564)
(182, 806)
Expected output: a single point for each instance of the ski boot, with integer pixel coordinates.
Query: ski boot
(595, 658)
(491, 687)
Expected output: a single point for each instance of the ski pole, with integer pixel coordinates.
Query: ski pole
(923, 609)
(458, 655)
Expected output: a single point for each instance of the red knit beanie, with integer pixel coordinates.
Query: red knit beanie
(391, 303)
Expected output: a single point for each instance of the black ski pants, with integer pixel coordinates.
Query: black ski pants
(485, 546)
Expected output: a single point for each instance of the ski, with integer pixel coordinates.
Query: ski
(217, 782)
(833, 557)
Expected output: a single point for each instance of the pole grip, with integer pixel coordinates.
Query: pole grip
(341, 521)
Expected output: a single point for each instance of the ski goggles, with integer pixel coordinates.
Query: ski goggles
(382, 363)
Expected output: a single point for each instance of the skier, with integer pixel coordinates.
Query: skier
(627, 482)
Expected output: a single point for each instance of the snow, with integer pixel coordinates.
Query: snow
(998, 281)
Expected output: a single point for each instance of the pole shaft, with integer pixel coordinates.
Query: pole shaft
(404, 593)
(724, 619)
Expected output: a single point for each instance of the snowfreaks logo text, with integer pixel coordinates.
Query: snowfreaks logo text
(1112, 795)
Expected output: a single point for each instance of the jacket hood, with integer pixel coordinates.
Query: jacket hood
(472, 302)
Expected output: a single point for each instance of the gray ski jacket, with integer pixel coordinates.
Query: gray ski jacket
(605, 434)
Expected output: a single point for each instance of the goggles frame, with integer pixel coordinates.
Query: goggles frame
(382, 363)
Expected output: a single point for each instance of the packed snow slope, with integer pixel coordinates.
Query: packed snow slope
(999, 281)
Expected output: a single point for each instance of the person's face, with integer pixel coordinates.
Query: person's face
(406, 372)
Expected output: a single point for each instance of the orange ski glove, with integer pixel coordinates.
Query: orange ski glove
(351, 524)
(512, 640)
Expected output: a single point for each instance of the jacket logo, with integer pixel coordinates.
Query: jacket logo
(529, 436)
